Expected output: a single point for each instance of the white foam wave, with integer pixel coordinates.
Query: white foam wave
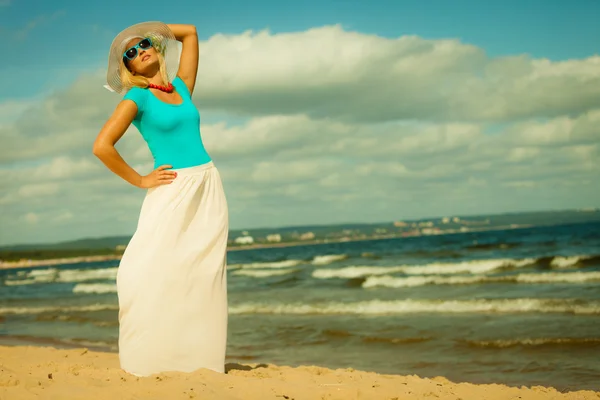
(566, 262)
(273, 264)
(50, 275)
(82, 275)
(412, 281)
(382, 307)
(42, 272)
(57, 309)
(264, 273)
(33, 277)
(355, 272)
(553, 277)
(534, 342)
(19, 282)
(472, 267)
(328, 259)
(95, 288)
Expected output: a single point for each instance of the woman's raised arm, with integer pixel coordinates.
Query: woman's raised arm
(188, 63)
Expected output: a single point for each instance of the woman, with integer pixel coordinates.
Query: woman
(171, 282)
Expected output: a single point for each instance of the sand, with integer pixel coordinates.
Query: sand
(28, 372)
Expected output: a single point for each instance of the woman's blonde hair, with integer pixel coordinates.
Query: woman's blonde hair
(129, 80)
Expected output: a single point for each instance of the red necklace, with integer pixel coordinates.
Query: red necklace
(168, 89)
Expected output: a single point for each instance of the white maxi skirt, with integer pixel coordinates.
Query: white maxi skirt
(172, 282)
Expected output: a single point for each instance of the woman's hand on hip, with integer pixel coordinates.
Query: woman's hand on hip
(160, 176)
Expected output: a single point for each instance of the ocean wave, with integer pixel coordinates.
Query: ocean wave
(392, 307)
(412, 281)
(272, 264)
(370, 307)
(82, 275)
(95, 288)
(355, 272)
(63, 342)
(264, 273)
(533, 342)
(50, 275)
(328, 259)
(57, 309)
(339, 334)
(567, 262)
(472, 267)
(93, 344)
(387, 340)
(33, 277)
(492, 246)
(553, 277)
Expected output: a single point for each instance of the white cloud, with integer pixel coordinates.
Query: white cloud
(339, 126)
(519, 154)
(11, 110)
(38, 190)
(330, 72)
(63, 216)
(31, 218)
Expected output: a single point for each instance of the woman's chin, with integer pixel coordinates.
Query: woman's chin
(148, 68)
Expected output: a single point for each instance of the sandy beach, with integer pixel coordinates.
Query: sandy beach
(47, 373)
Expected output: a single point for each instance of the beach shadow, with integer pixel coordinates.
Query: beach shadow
(242, 367)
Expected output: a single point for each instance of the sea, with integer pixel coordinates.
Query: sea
(519, 307)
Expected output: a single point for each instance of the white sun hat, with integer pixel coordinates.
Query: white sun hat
(163, 41)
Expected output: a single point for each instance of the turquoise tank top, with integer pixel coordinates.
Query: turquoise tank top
(172, 131)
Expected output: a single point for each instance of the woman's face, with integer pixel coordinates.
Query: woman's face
(143, 59)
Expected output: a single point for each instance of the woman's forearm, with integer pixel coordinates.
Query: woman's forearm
(182, 31)
(113, 161)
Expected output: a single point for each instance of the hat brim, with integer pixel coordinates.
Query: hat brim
(163, 41)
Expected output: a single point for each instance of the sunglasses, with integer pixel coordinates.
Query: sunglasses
(132, 52)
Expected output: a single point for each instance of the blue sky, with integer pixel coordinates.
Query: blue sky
(343, 111)
(547, 29)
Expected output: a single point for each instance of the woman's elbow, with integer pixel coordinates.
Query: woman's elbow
(99, 149)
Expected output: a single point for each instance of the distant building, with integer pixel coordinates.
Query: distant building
(121, 247)
(431, 231)
(445, 220)
(274, 238)
(307, 236)
(400, 224)
(455, 219)
(244, 240)
(426, 223)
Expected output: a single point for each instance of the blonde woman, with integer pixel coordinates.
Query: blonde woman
(171, 281)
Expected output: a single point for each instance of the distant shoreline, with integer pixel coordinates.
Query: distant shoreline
(108, 257)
